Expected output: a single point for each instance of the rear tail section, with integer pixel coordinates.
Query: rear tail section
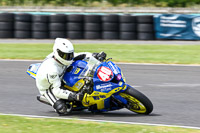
(32, 70)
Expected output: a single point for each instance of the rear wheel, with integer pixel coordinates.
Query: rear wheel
(137, 102)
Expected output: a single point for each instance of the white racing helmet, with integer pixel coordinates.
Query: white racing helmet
(63, 51)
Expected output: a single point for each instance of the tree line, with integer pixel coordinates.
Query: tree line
(103, 3)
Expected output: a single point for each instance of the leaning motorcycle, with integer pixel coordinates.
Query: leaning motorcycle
(104, 87)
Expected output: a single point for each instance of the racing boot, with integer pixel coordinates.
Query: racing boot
(42, 99)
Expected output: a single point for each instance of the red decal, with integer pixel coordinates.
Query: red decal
(104, 74)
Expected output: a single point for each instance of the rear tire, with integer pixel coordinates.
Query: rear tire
(137, 102)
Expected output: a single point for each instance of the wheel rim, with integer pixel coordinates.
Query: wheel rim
(134, 104)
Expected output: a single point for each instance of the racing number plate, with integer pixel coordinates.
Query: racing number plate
(104, 74)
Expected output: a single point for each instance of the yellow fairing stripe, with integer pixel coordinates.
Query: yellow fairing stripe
(89, 100)
(32, 73)
(77, 86)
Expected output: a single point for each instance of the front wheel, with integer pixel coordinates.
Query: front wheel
(136, 101)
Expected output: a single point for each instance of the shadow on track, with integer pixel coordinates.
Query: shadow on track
(113, 114)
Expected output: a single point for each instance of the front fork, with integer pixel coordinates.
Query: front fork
(122, 102)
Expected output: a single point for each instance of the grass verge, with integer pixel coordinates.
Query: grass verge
(167, 54)
(10, 124)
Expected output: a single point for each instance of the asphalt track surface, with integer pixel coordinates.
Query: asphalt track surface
(174, 91)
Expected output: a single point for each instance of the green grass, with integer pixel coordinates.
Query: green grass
(168, 54)
(16, 124)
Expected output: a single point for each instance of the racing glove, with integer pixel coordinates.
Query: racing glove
(76, 97)
(100, 56)
(79, 57)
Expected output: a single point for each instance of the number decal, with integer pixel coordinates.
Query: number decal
(104, 74)
(77, 71)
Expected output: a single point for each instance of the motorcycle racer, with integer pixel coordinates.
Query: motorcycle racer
(64, 76)
(50, 72)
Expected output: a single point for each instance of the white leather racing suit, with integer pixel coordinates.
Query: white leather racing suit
(48, 79)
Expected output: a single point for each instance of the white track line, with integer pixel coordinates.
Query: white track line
(120, 122)
(19, 60)
(196, 65)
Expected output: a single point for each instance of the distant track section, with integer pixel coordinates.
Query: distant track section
(51, 41)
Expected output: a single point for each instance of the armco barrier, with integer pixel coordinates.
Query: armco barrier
(76, 26)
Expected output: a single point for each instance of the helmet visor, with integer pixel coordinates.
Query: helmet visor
(65, 56)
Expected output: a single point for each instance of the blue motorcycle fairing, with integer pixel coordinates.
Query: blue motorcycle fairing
(116, 106)
(105, 87)
(115, 69)
(95, 78)
(71, 77)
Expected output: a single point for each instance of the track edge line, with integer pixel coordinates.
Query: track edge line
(93, 120)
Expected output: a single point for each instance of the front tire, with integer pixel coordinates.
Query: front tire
(137, 102)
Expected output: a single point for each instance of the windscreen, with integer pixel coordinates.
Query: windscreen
(89, 70)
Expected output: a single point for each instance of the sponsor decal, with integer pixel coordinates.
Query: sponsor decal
(53, 76)
(77, 71)
(113, 68)
(196, 26)
(106, 89)
(104, 74)
(78, 85)
(102, 86)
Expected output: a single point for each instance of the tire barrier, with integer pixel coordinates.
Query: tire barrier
(128, 27)
(57, 24)
(76, 26)
(40, 26)
(145, 27)
(110, 27)
(92, 27)
(7, 25)
(22, 25)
